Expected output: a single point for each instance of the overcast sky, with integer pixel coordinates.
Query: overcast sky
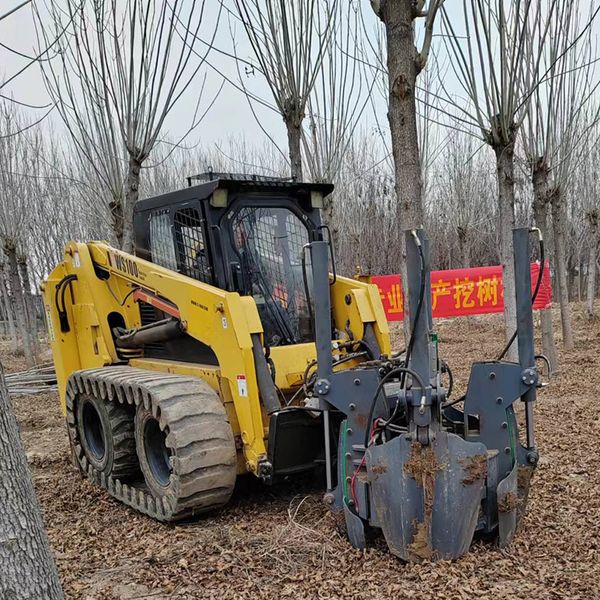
(229, 116)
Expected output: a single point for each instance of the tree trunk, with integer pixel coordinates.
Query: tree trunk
(28, 569)
(131, 197)
(18, 301)
(506, 212)
(8, 309)
(29, 307)
(331, 221)
(560, 256)
(398, 15)
(402, 112)
(463, 246)
(580, 277)
(116, 213)
(540, 180)
(294, 133)
(593, 218)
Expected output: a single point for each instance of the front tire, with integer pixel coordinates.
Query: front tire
(153, 453)
(186, 449)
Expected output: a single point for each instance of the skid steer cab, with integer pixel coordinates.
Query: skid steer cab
(228, 344)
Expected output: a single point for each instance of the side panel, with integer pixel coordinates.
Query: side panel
(64, 345)
(222, 320)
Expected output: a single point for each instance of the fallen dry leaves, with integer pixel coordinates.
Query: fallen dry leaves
(282, 542)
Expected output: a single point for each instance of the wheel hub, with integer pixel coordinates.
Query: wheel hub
(93, 431)
(157, 453)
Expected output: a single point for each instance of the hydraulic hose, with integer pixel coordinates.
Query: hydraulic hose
(404, 371)
(394, 372)
(61, 288)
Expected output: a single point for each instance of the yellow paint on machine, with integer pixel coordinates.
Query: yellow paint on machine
(96, 300)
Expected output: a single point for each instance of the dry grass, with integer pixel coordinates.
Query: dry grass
(283, 541)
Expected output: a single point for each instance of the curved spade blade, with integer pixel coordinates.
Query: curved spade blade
(355, 528)
(508, 502)
(427, 498)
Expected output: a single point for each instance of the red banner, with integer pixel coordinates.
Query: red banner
(459, 292)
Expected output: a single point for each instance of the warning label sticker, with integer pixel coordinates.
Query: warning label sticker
(49, 325)
(242, 386)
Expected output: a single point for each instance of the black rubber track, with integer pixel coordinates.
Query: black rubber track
(198, 435)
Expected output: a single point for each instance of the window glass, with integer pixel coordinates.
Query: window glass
(269, 242)
(162, 247)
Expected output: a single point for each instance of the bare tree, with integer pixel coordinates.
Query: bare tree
(338, 99)
(554, 130)
(290, 41)
(29, 304)
(594, 220)
(584, 193)
(28, 569)
(462, 191)
(335, 107)
(16, 152)
(404, 63)
(6, 306)
(496, 82)
(122, 71)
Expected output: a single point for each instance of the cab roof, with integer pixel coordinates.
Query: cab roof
(232, 182)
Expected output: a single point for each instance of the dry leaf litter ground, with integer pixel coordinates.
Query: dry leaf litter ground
(282, 542)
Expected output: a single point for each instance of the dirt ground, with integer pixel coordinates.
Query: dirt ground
(283, 542)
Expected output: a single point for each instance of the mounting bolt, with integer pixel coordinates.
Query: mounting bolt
(357, 381)
(507, 450)
(351, 502)
(328, 498)
(348, 479)
(349, 431)
(504, 425)
(529, 376)
(352, 406)
(499, 400)
(322, 386)
(348, 455)
(492, 375)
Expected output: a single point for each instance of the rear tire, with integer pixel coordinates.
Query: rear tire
(105, 430)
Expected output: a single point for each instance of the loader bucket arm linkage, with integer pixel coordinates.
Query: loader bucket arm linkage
(410, 462)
